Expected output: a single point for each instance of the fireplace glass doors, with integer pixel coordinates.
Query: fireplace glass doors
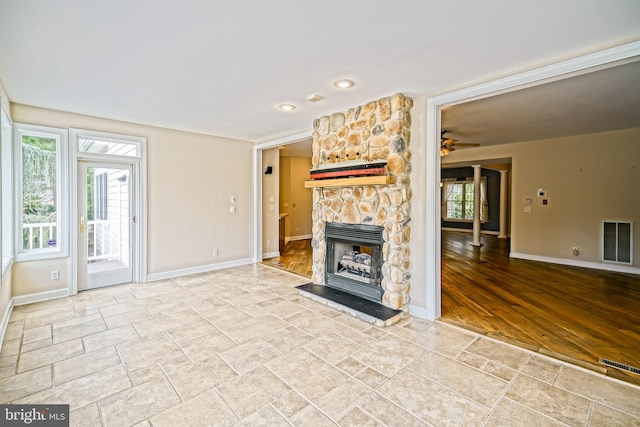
(354, 259)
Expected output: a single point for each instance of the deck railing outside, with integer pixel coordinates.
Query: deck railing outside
(43, 235)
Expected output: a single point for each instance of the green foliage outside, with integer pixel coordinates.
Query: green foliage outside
(460, 203)
(39, 185)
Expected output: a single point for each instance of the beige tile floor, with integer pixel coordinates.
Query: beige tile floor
(241, 347)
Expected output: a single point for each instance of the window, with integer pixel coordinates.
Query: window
(6, 185)
(42, 176)
(96, 143)
(457, 200)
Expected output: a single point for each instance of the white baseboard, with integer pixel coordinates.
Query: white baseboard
(576, 263)
(40, 296)
(5, 320)
(199, 269)
(28, 299)
(270, 255)
(288, 239)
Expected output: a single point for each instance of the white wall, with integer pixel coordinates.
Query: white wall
(4, 97)
(270, 188)
(191, 178)
(295, 171)
(588, 179)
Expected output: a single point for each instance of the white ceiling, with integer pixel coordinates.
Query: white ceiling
(221, 68)
(599, 101)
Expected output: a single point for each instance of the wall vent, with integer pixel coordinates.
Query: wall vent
(617, 242)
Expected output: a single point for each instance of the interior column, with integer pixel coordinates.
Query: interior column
(503, 204)
(477, 170)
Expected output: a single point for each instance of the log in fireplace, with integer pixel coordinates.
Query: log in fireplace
(354, 259)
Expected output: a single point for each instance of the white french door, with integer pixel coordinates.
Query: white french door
(106, 223)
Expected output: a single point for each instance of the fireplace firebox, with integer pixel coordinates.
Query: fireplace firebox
(354, 259)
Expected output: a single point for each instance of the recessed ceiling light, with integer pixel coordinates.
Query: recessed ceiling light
(343, 84)
(287, 107)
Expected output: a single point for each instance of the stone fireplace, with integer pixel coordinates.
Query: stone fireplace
(376, 131)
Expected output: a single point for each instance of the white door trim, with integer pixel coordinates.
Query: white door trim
(564, 69)
(139, 256)
(257, 186)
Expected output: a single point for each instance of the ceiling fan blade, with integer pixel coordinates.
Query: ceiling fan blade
(448, 141)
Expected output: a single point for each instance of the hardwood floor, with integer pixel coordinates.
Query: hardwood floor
(297, 257)
(560, 310)
(571, 313)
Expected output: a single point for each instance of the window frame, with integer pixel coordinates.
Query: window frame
(463, 182)
(62, 192)
(75, 135)
(6, 192)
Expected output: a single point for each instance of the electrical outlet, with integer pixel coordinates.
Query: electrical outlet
(215, 252)
(55, 275)
(268, 243)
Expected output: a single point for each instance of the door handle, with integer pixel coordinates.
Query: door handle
(83, 224)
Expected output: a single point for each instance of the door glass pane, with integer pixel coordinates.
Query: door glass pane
(108, 214)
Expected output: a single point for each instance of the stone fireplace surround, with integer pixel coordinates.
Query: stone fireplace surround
(378, 130)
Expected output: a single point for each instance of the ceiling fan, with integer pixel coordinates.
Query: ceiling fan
(447, 144)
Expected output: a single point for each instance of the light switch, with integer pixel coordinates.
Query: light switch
(232, 199)
(527, 209)
(272, 199)
(232, 209)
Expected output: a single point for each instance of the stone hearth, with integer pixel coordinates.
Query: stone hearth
(378, 130)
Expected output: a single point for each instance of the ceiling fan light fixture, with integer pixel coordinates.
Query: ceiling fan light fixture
(343, 84)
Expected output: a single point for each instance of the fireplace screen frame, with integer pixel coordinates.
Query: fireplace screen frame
(355, 234)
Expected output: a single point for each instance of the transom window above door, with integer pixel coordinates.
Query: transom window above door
(97, 146)
(91, 144)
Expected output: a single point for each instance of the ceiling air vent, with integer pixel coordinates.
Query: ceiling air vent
(617, 242)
